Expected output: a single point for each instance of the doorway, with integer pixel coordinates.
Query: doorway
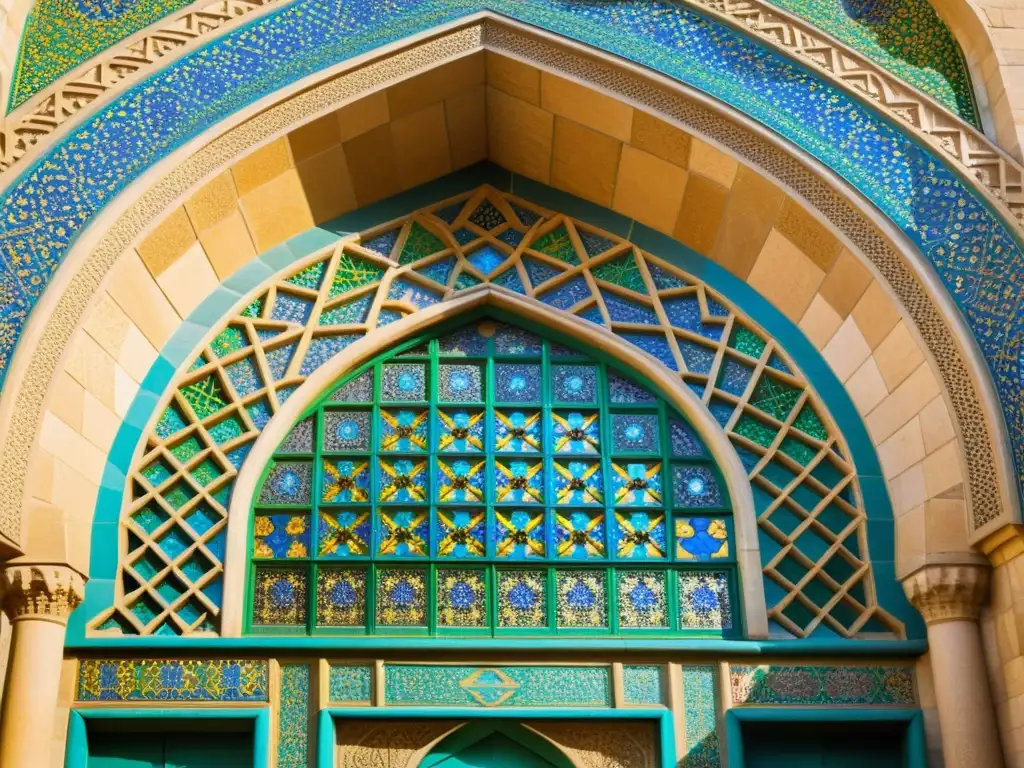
(824, 745)
(494, 745)
(200, 748)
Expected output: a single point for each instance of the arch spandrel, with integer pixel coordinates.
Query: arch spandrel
(615, 278)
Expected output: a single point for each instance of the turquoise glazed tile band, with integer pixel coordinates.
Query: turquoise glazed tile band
(971, 248)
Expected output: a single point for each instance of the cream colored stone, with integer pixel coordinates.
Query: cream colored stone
(820, 322)
(946, 526)
(904, 449)
(188, 281)
(107, 324)
(67, 400)
(897, 409)
(519, 136)
(584, 162)
(71, 447)
(875, 314)
(866, 387)
(936, 426)
(712, 163)
(910, 540)
(847, 350)
(125, 389)
(91, 367)
(785, 276)
(514, 78)
(99, 423)
(214, 202)
(586, 106)
(898, 355)
(136, 355)
(371, 164)
(942, 468)
(908, 490)
(649, 190)
(138, 294)
(276, 211)
(421, 146)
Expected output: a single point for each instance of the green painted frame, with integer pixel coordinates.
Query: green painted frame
(915, 753)
(660, 715)
(490, 565)
(76, 751)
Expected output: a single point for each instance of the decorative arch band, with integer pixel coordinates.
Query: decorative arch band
(805, 473)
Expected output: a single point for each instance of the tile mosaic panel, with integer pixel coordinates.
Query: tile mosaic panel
(700, 749)
(643, 684)
(341, 597)
(509, 686)
(293, 717)
(230, 680)
(350, 684)
(823, 686)
(522, 599)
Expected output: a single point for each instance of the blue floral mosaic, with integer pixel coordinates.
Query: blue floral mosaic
(172, 680)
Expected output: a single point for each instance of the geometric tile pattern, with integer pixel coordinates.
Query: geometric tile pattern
(701, 747)
(517, 686)
(814, 547)
(172, 680)
(450, 525)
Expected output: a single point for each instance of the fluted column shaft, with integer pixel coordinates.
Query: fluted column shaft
(38, 599)
(950, 597)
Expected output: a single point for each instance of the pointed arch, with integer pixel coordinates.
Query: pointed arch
(473, 733)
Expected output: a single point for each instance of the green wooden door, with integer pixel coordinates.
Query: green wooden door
(495, 751)
(166, 749)
(815, 745)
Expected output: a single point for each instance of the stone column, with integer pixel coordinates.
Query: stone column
(950, 598)
(38, 599)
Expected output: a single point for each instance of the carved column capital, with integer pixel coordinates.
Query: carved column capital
(46, 592)
(948, 592)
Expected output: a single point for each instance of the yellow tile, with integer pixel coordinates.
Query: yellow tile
(586, 106)
(189, 281)
(137, 293)
(514, 78)
(846, 351)
(907, 401)
(421, 146)
(213, 203)
(277, 211)
(371, 165)
(820, 322)
(898, 355)
(363, 115)
(585, 161)
(107, 323)
(649, 190)
(266, 163)
(808, 234)
(785, 276)
(327, 185)
(845, 283)
(466, 116)
(519, 136)
(172, 237)
(902, 450)
(712, 163)
(658, 138)
(942, 468)
(876, 314)
(751, 208)
(910, 552)
(866, 387)
(314, 138)
(228, 245)
(436, 85)
(936, 425)
(700, 214)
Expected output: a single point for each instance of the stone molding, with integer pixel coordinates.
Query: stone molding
(993, 172)
(39, 591)
(948, 592)
(120, 66)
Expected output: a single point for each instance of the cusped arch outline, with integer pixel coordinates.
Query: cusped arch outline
(339, 357)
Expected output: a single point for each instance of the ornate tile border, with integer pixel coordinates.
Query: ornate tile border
(823, 686)
(166, 680)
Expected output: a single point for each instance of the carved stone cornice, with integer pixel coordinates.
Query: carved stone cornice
(45, 592)
(948, 592)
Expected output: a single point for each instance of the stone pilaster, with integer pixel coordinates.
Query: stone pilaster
(950, 598)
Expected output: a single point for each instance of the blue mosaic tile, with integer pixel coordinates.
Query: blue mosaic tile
(509, 340)
(627, 311)
(517, 383)
(323, 348)
(538, 272)
(510, 279)
(653, 344)
(694, 487)
(291, 309)
(574, 384)
(486, 259)
(568, 294)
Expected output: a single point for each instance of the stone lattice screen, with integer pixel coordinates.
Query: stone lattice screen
(811, 517)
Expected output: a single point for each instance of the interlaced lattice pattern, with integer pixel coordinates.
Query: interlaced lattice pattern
(810, 513)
